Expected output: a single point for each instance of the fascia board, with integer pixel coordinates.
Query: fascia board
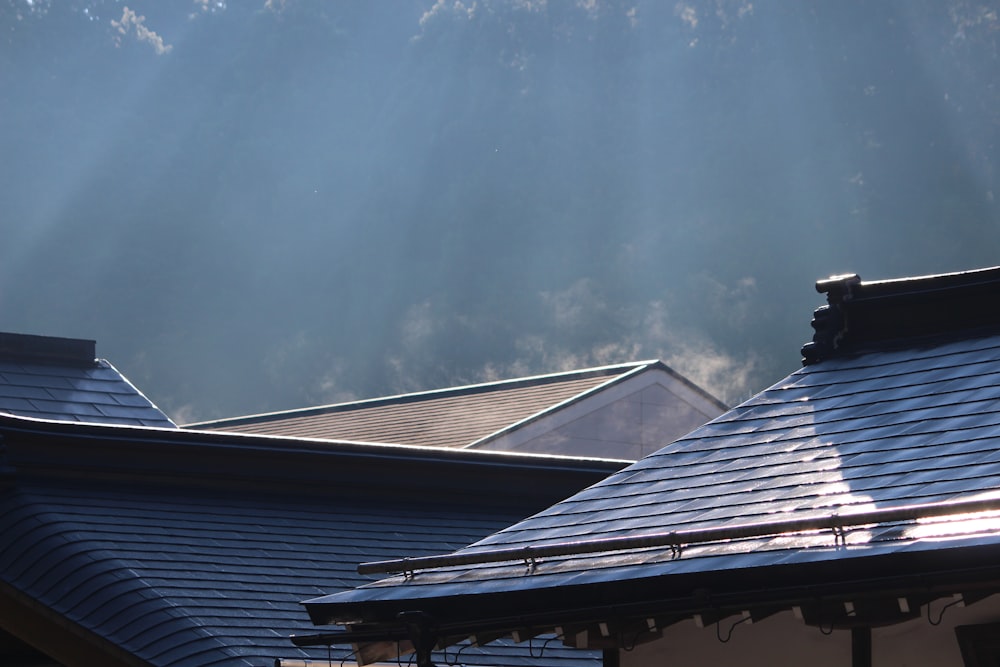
(42, 449)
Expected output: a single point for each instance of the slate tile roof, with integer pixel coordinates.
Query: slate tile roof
(208, 578)
(191, 549)
(34, 382)
(453, 417)
(872, 427)
(878, 430)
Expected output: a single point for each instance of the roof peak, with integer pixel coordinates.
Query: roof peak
(862, 315)
(34, 349)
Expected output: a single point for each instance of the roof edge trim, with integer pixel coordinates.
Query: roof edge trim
(42, 448)
(139, 392)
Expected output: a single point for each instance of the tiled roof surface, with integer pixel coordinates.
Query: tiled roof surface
(883, 429)
(187, 549)
(217, 578)
(95, 393)
(447, 418)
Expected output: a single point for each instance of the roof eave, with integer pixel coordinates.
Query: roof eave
(34, 448)
(917, 575)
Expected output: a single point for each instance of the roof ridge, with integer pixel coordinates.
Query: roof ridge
(864, 315)
(136, 389)
(34, 349)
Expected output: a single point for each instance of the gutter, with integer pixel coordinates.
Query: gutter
(677, 540)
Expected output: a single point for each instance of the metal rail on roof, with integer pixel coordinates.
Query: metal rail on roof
(677, 540)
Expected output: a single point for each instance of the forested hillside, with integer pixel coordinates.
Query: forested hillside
(262, 205)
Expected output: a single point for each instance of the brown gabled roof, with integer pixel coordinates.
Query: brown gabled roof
(453, 417)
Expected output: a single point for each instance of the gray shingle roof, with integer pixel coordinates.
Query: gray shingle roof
(59, 378)
(871, 427)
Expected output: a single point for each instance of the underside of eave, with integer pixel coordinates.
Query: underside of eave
(79, 620)
(52, 634)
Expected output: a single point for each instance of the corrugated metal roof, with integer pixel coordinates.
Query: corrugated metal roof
(454, 417)
(94, 393)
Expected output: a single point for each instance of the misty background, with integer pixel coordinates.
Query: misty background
(254, 206)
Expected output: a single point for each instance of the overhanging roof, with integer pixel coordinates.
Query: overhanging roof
(882, 422)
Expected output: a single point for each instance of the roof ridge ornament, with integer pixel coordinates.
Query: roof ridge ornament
(860, 316)
(830, 322)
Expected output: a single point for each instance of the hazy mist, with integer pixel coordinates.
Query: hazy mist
(256, 205)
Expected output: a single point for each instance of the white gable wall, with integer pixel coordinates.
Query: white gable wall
(624, 420)
(783, 640)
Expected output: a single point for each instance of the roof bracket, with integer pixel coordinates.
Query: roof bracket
(419, 627)
(956, 600)
(745, 618)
